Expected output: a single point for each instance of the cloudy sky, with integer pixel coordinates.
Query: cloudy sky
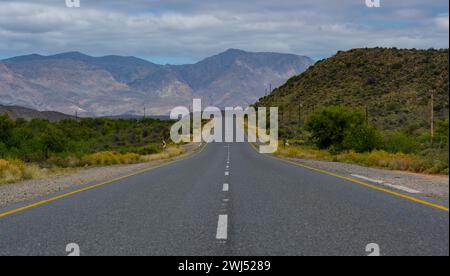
(185, 31)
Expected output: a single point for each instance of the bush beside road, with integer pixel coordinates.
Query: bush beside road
(341, 134)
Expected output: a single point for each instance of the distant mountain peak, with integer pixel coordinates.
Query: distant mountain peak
(112, 85)
(232, 53)
(235, 51)
(72, 55)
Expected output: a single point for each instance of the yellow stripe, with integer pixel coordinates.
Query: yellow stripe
(440, 207)
(94, 186)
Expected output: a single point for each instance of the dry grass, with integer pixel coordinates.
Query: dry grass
(11, 170)
(167, 154)
(107, 158)
(429, 164)
(15, 170)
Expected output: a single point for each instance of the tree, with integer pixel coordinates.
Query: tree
(6, 126)
(3, 150)
(23, 144)
(52, 139)
(362, 138)
(340, 128)
(442, 133)
(328, 125)
(401, 142)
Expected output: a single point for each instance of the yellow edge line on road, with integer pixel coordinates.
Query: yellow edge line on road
(95, 185)
(440, 207)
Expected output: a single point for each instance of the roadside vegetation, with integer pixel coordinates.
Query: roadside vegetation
(38, 148)
(371, 106)
(341, 134)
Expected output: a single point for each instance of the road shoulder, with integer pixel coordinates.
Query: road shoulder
(31, 189)
(423, 187)
(430, 186)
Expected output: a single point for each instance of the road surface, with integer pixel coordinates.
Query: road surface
(227, 200)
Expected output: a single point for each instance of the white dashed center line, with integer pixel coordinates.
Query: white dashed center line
(222, 225)
(222, 228)
(226, 187)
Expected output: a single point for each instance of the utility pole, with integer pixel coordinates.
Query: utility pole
(145, 111)
(76, 115)
(432, 118)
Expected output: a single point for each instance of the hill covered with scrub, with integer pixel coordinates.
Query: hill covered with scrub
(371, 107)
(394, 85)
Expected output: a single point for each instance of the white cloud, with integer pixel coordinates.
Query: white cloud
(442, 22)
(195, 29)
(413, 14)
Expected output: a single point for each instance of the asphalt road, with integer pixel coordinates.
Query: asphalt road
(268, 208)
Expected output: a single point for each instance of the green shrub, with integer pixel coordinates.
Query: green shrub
(328, 126)
(442, 133)
(6, 126)
(52, 139)
(363, 138)
(3, 150)
(400, 142)
(339, 128)
(152, 149)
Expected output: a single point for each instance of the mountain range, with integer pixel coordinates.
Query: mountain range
(115, 85)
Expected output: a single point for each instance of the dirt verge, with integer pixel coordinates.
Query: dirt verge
(30, 189)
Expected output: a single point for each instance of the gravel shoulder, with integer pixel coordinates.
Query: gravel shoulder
(432, 186)
(31, 189)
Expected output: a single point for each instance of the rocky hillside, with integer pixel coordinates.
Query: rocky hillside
(115, 85)
(394, 85)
